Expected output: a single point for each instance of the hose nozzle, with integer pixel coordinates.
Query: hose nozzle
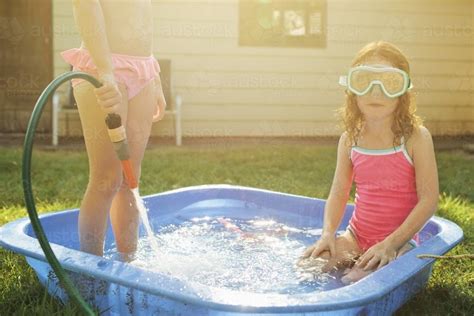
(118, 137)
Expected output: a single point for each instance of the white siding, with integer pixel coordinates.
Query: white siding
(229, 90)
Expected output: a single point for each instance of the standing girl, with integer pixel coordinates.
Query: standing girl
(117, 46)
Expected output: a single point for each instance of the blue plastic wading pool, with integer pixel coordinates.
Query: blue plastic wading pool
(123, 289)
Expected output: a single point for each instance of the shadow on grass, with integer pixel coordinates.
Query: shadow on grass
(443, 299)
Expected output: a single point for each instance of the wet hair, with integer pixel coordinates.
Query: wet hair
(405, 119)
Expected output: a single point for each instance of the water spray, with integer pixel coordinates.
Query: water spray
(118, 136)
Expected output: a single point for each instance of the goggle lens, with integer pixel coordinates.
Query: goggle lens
(393, 82)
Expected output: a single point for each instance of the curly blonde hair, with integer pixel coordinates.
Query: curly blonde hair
(405, 119)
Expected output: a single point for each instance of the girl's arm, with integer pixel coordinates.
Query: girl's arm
(336, 203)
(428, 192)
(340, 189)
(427, 189)
(90, 22)
(160, 97)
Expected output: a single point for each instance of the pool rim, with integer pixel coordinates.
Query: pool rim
(14, 237)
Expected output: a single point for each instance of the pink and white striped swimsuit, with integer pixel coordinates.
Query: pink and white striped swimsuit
(385, 192)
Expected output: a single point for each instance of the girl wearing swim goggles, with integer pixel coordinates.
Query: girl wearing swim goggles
(394, 82)
(386, 152)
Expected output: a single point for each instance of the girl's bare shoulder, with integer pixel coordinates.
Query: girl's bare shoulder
(420, 138)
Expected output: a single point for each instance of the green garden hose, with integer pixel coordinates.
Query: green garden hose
(73, 293)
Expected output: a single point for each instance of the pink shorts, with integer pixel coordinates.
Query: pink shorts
(135, 72)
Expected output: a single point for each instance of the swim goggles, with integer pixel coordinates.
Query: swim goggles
(393, 81)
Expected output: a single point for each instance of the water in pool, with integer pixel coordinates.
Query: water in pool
(253, 254)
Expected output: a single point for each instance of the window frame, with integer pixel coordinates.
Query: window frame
(253, 34)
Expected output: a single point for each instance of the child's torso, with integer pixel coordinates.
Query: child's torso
(129, 26)
(385, 190)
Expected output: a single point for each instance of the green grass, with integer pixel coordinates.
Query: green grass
(59, 179)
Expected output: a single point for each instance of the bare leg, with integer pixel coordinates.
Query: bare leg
(124, 214)
(355, 274)
(346, 250)
(105, 175)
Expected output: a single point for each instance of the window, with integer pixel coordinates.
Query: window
(282, 23)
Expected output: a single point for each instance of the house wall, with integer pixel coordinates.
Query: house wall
(231, 90)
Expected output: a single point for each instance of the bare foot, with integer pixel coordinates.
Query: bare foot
(354, 275)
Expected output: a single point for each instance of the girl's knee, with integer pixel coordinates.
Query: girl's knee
(325, 255)
(125, 185)
(106, 181)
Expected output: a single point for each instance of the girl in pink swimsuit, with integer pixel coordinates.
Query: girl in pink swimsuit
(117, 49)
(389, 156)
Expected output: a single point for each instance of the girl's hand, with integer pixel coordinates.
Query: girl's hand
(160, 99)
(108, 97)
(377, 256)
(327, 242)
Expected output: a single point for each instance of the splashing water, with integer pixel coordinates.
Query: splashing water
(144, 218)
(256, 255)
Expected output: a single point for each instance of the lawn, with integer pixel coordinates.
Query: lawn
(59, 179)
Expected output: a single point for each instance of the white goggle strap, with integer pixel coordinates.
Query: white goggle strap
(343, 81)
